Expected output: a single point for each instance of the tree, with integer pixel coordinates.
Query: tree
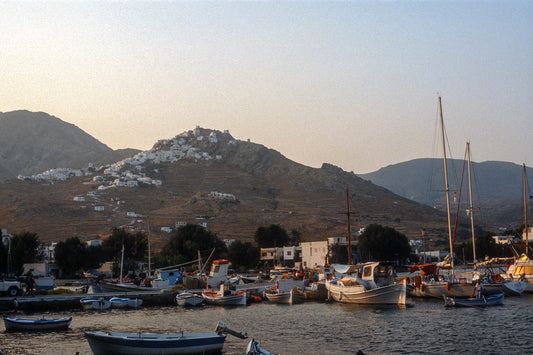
(73, 256)
(378, 243)
(3, 256)
(243, 255)
(69, 255)
(184, 245)
(135, 245)
(271, 236)
(25, 248)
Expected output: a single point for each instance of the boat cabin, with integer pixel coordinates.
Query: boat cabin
(381, 273)
(218, 273)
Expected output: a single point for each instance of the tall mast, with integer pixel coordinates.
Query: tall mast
(471, 205)
(122, 261)
(446, 182)
(149, 248)
(525, 205)
(348, 225)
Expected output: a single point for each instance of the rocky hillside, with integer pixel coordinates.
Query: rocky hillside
(205, 176)
(32, 142)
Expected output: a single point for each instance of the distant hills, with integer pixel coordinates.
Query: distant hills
(497, 186)
(32, 142)
(202, 176)
(198, 176)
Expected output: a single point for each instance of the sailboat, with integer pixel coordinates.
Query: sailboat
(493, 283)
(438, 285)
(522, 269)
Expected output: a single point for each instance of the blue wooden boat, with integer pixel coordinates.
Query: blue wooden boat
(107, 343)
(25, 324)
(484, 301)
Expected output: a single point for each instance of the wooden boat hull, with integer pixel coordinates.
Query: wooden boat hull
(103, 343)
(492, 300)
(290, 297)
(439, 289)
(22, 324)
(391, 294)
(230, 300)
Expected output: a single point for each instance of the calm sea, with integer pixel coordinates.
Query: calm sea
(426, 327)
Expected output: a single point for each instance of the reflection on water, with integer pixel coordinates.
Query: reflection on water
(309, 328)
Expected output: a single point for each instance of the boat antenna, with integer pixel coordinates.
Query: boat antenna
(446, 182)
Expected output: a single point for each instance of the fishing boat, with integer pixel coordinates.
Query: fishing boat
(293, 296)
(224, 297)
(484, 301)
(125, 302)
(98, 304)
(25, 324)
(107, 343)
(375, 285)
(189, 299)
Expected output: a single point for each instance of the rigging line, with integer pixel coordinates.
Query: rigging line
(459, 202)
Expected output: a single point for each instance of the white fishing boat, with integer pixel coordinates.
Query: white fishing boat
(225, 297)
(293, 296)
(189, 299)
(107, 343)
(375, 286)
(99, 304)
(521, 270)
(25, 324)
(125, 302)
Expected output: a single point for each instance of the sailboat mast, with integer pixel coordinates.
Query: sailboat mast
(348, 226)
(446, 182)
(525, 205)
(149, 249)
(471, 205)
(122, 261)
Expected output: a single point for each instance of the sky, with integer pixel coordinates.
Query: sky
(350, 83)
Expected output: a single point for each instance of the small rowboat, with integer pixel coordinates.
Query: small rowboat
(106, 343)
(485, 301)
(98, 304)
(293, 296)
(219, 299)
(189, 299)
(24, 324)
(119, 302)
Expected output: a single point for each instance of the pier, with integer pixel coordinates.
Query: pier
(72, 301)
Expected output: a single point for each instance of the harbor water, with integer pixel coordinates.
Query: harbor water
(424, 327)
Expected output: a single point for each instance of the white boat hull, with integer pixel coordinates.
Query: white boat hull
(95, 304)
(230, 300)
(189, 299)
(103, 343)
(117, 302)
(391, 294)
(290, 297)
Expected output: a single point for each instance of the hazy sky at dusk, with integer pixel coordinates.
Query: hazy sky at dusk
(351, 83)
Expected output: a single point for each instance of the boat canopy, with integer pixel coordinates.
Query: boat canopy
(425, 269)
